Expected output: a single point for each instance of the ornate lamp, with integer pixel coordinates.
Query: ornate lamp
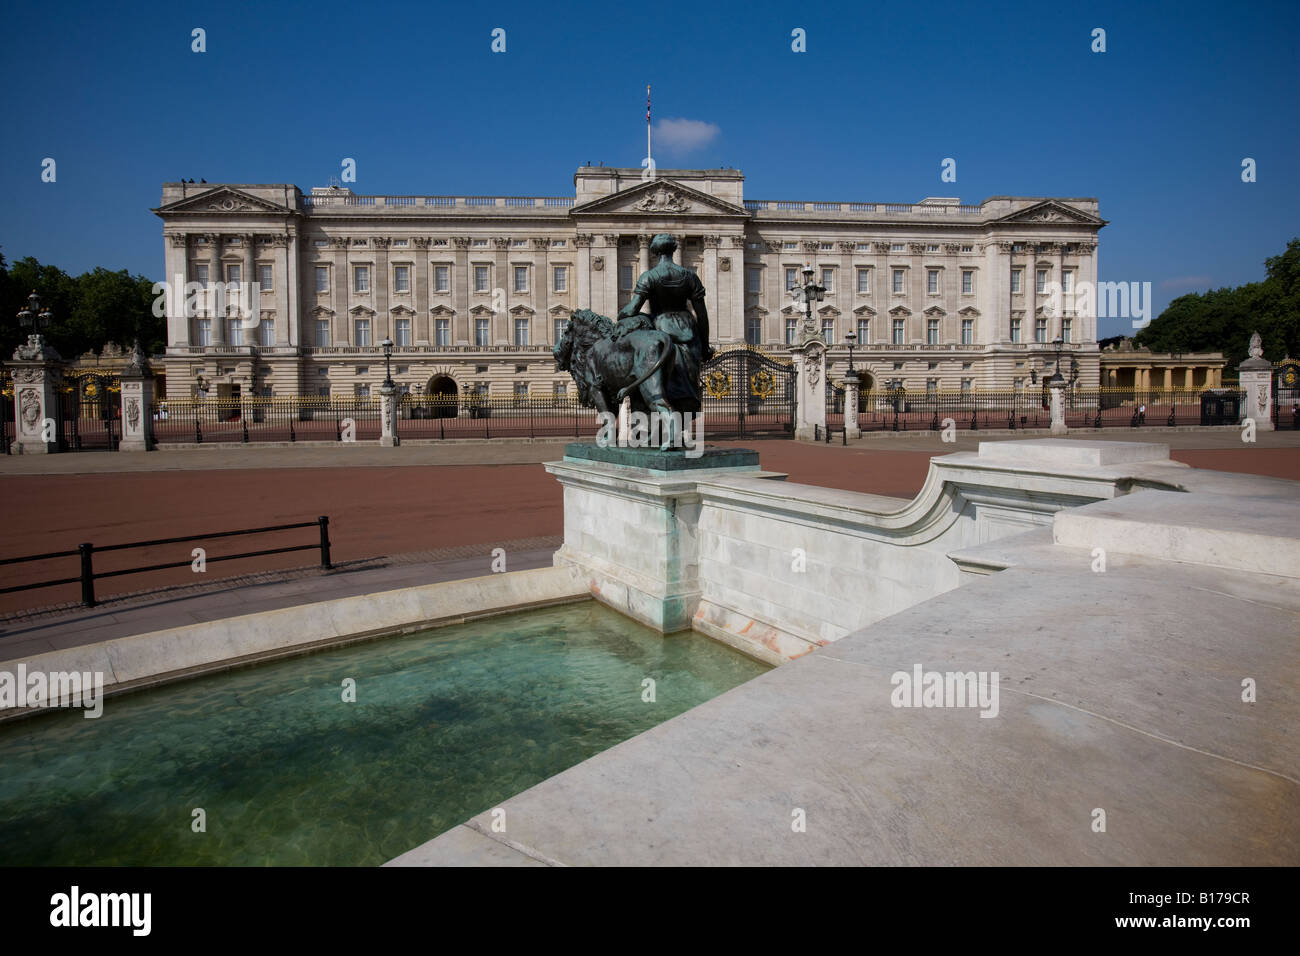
(388, 363)
(34, 317)
(850, 337)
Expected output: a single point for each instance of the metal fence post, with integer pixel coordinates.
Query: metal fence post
(324, 523)
(87, 574)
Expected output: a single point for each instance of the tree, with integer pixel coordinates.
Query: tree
(90, 310)
(1222, 320)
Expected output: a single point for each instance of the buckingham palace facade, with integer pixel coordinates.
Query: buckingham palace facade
(474, 290)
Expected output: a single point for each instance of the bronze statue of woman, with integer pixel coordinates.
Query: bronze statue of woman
(672, 291)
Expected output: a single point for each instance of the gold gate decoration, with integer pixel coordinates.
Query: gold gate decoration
(717, 383)
(762, 384)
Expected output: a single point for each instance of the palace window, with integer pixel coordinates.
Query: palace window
(753, 280)
(896, 247)
(827, 246)
(931, 386)
(625, 278)
(932, 247)
(967, 248)
(233, 273)
(401, 278)
(201, 276)
(864, 331)
(932, 332)
(1015, 281)
(480, 278)
(205, 332)
(234, 332)
(266, 330)
(1040, 330)
(322, 334)
(401, 243)
(362, 327)
(322, 278)
(521, 278)
(320, 243)
(264, 277)
(362, 391)
(1015, 330)
(441, 278)
(557, 243)
(967, 384)
(518, 243)
(402, 332)
(791, 325)
(479, 244)
(753, 331)
(898, 281)
(828, 331)
(521, 331)
(789, 246)
(864, 280)
(932, 281)
(1067, 280)
(442, 332)
(898, 331)
(967, 331)
(968, 282)
(828, 279)
(361, 279)
(791, 277)
(481, 332)
(1065, 330)
(1040, 281)
(560, 279)
(521, 392)
(560, 325)
(559, 391)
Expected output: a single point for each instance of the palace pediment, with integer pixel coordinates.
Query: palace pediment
(658, 198)
(1050, 212)
(223, 199)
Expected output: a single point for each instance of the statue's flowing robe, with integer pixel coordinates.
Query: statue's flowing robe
(670, 290)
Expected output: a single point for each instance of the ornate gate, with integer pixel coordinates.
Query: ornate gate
(748, 395)
(89, 414)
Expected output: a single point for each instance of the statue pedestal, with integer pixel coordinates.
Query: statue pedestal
(1256, 378)
(630, 524)
(1058, 408)
(36, 406)
(137, 414)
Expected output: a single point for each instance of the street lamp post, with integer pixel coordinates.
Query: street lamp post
(388, 363)
(808, 293)
(34, 317)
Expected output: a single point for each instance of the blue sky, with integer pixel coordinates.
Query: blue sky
(1156, 127)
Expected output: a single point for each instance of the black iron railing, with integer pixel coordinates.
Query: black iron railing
(87, 552)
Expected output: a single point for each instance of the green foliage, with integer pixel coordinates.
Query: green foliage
(90, 310)
(1222, 320)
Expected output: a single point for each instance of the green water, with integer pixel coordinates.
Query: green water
(446, 724)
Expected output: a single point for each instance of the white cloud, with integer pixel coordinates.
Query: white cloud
(684, 135)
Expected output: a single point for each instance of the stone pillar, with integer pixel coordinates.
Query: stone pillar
(1058, 407)
(809, 354)
(851, 386)
(137, 404)
(1189, 377)
(1256, 376)
(1169, 378)
(643, 245)
(216, 273)
(37, 371)
(250, 315)
(388, 416)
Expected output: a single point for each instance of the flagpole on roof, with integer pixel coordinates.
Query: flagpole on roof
(647, 121)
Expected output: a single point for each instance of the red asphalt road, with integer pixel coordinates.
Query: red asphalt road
(376, 511)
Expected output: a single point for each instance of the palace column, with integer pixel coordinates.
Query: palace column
(177, 255)
(610, 295)
(1169, 377)
(215, 274)
(420, 331)
(541, 291)
(383, 318)
(250, 319)
(461, 283)
(643, 250)
(582, 265)
(717, 322)
(1189, 377)
(501, 266)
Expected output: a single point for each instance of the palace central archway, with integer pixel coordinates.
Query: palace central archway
(442, 396)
